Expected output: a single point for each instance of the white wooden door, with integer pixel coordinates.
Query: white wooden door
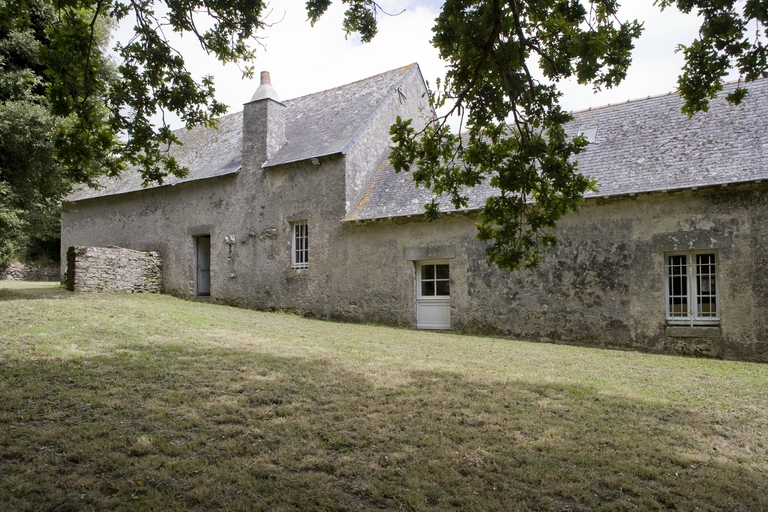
(433, 295)
(204, 265)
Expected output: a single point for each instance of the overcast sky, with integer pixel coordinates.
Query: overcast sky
(303, 59)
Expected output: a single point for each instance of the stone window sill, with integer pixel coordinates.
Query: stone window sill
(680, 331)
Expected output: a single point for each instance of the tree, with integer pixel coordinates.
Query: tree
(514, 124)
(64, 106)
(31, 179)
(726, 41)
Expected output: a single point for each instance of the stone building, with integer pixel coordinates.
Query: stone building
(293, 206)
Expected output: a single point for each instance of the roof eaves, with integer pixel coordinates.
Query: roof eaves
(267, 164)
(693, 186)
(355, 218)
(143, 189)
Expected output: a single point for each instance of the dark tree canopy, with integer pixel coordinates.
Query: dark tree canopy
(98, 114)
(514, 123)
(31, 177)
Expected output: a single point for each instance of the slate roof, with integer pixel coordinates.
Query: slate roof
(320, 124)
(641, 146)
(207, 153)
(330, 122)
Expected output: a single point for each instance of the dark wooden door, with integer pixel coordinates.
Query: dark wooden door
(204, 265)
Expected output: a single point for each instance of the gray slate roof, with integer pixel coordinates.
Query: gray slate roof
(329, 122)
(320, 124)
(641, 146)
(207, 153)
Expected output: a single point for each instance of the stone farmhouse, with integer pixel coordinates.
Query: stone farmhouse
(292, 205)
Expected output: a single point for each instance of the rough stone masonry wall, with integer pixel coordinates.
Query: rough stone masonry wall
(23, 272)
(113, 269)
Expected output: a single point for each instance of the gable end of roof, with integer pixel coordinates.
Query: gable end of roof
(413, 68)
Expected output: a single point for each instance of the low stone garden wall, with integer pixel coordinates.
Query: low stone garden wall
(16, 271)
(113, 269)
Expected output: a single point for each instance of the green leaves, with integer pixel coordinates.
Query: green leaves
(31, 178)
(732, 35)
(316, 8)
(53, 57)
(514, 125)
(360, 17)
(31, 181)
(100, 104)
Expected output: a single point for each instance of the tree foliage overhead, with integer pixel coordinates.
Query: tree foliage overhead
(98, 114)
(515, 136)
(31, 178)
(514, 123)
(111, 107)
(732, 35)
(149, 76)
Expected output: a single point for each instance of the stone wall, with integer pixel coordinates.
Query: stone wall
(603, 285)
(16, 271)
(113, 269)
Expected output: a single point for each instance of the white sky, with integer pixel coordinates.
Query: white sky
(303, 59)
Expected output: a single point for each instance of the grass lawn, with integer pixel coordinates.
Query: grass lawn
(147, 402)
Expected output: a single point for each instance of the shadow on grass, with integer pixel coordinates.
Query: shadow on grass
(15, 290)
(178, 428)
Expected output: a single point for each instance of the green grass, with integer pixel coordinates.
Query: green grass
(147, 402)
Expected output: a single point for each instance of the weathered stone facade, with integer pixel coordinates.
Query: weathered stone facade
(604, 284)
(113, 269)
(16, 271)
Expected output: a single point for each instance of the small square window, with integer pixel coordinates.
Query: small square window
(300, 242)
(435, 280)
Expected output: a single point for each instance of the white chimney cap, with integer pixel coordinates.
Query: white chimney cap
(265, 90)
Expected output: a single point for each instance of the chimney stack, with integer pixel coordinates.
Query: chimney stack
(263, 125)
(265, 90)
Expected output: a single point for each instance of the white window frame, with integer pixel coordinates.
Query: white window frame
(691, 301)
(437, 281)
(300, 244)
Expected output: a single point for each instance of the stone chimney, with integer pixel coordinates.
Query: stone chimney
(263, 125)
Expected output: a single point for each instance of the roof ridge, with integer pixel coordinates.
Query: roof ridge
(349, 109)
(348, 84)
(660, 95)
(631, 100)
